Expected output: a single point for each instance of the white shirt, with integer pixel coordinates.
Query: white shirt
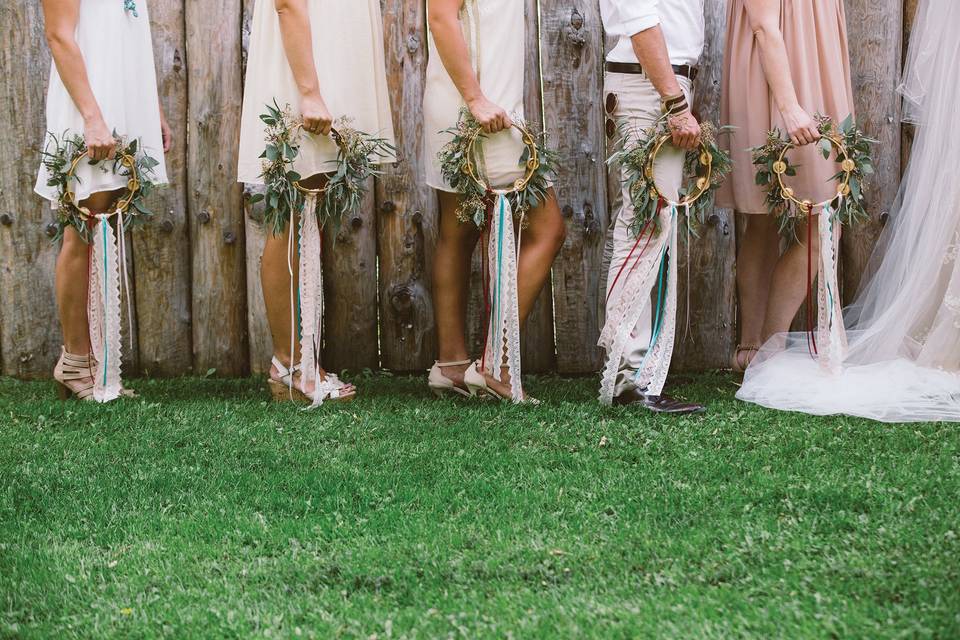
(681, 21)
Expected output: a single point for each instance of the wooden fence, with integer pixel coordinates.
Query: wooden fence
(197, 299)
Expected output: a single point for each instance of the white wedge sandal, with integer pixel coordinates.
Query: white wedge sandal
(286, 390)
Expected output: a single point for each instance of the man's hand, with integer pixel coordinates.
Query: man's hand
(685, 131)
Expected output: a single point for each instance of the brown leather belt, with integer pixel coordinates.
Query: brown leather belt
(683, 70)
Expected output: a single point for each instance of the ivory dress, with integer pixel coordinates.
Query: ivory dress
(118, 55)
(349, 57)
(495, 32)
(815, 35)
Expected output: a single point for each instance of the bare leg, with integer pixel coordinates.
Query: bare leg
(759, 252)
(275, 269)
(788, 288)
(540, 243)
(72, 282)
(451, 285)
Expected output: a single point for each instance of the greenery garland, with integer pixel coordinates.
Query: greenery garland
(459, 167)
(357, 153)
(130, 161)
(708, 164)
(851, 150)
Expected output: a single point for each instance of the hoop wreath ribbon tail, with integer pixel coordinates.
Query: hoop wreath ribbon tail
(500, 215)
(656, 222)
(107, 253)
(851, 150)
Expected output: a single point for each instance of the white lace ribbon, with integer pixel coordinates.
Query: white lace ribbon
(831, 334)
(103, 311)
(309, 303)
(503, 338)
(656, 264)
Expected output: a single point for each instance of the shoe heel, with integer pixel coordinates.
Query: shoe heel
(63, 392)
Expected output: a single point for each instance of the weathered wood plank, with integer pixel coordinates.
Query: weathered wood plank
(705, 328)
(161, 250)
(350, 291)
(214, 197)
(907, 130)
(538, 353)
(571, 50)
(875, 32)
(29, 331)
(407, 208)
(258, 330)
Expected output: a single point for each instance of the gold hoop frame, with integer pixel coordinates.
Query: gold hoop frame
(123, 204)
(847, 166)
(703, 182)
(338, 139)
(533, 162)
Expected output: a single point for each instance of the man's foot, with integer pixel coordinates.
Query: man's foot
(657, 404)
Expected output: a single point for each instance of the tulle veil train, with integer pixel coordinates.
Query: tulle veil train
(904, 324)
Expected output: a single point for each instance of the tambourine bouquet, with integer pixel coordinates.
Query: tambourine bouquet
(497, 213)
(652, 261)
(107, 256)
(850, 149)
(285, 198)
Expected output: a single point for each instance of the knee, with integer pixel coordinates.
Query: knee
(554, 236)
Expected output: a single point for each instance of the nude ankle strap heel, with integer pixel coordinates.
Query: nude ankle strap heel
(441, 384)
(74, 376)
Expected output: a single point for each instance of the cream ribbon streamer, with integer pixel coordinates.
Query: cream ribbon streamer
(503, 339)
(103, 309)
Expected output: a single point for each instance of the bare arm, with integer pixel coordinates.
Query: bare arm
(298, 45)
(60, 20)
(764, 17)
(444, 19)
(651, 50)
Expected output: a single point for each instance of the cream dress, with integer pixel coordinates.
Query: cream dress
(495, 31)
(118, 55)
(348, 53)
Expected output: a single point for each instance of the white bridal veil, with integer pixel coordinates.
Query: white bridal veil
(904, 324)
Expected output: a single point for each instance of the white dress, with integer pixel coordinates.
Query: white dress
(118, 54)
(495, 32)
(349, 57)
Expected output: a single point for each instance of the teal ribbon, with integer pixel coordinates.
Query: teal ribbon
(106, 299)
(661, 298)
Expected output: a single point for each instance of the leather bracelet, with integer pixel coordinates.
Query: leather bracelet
(669, 101)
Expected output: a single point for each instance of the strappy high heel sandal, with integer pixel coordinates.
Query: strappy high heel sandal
(740, 364)
(441, 384)
(477, 383)
(74, 376)
(286, 390)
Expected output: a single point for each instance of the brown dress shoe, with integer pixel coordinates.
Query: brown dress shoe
(657, 404)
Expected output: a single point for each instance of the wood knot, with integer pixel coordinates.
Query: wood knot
(166, 226)
(51, 230)
(356, 222)
(388, 206)
(203, 217)
(229, 237)
(6, 219)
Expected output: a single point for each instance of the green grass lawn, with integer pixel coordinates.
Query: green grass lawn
(202, 511)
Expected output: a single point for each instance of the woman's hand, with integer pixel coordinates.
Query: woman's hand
(101, 145)
(491, 117)
(800, 126)
(166, 133)
(316, 117)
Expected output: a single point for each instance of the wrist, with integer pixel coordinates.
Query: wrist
(91, 117)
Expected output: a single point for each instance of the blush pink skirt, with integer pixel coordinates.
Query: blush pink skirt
(815, 35)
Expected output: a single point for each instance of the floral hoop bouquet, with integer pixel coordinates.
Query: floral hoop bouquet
(342, 194)
(461, 165)
(850, 149)
(708, 165)
(64, 155)
(357, 156)
(652, 261)
(108, 256)
(493, 211)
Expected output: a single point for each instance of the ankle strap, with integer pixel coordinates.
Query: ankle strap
(453, 364)
(284, 372)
